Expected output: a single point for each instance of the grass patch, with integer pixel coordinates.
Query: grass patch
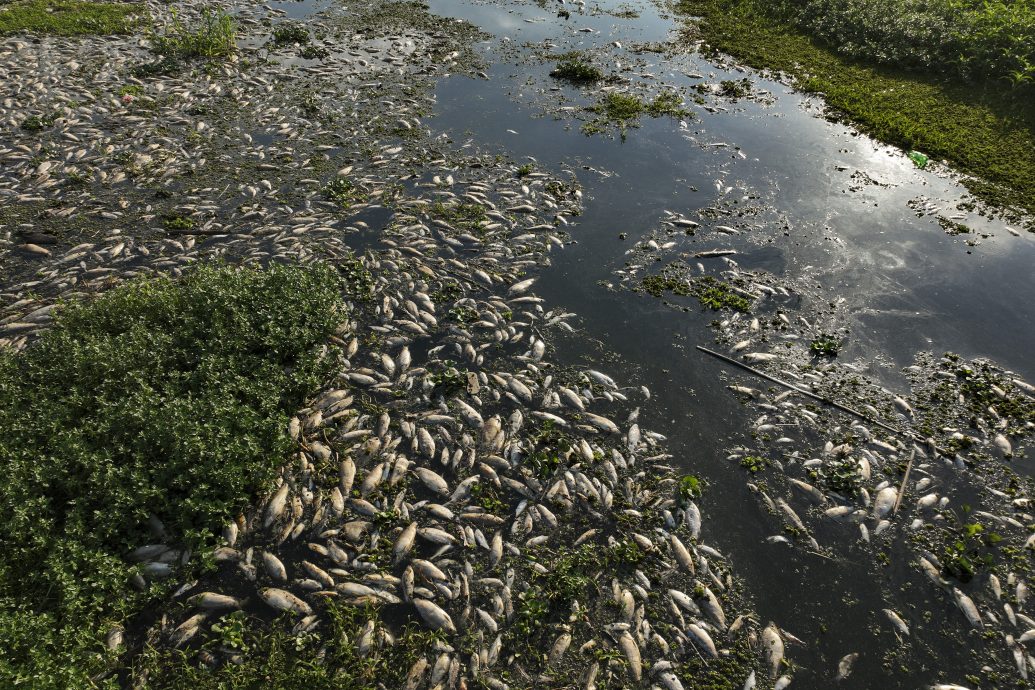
(986, 130)
(213, 36)
(573, 67)
(974, 40)
(161, 398)
(70, 17)
(624, 109)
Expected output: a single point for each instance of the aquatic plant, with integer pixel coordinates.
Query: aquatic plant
(573, 67)
(754, 463)
(290, 32)
(341, 191)
(689, 487)
(825, 345)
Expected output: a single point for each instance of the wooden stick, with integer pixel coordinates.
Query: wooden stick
(826, 401)
(902, 487)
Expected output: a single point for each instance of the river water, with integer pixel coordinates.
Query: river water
(815, 202)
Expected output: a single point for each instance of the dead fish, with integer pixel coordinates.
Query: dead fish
(884, 502)
(214, 602)
(433, 615)
(432, 480)
(632, 654)
(284, 601)
(773, 646)
(966, 605)
(682, 554)
(702, 639)
(844, 667)
(896, 621)
(1004, 445)
(405, 541)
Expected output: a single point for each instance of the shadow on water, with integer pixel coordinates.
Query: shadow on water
(836, 214)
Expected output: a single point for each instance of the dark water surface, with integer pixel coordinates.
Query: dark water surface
(906, 287)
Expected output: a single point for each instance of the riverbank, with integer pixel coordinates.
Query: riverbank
(985, 132)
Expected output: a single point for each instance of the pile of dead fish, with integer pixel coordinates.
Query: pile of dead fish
(132, 169)
(479, 390)
(445, 390)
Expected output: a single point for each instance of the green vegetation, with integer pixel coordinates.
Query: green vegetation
(624, 109)
(462, 216)
(984, 129)
(37, 123)
(969, 39)
(973, 549)
(290, 32)
(214, 36)
(573, 67)
(525, 170)
(279, 658)
(161, 402)
(717, 295)
(735, 89)
(689, 487)
(825, 345)
(342, 192)
(842, 476)
(711, 293)
(178, 222)
(951, 227)
(70, 17)
(754, 463)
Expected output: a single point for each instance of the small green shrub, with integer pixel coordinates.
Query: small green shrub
(214, 36)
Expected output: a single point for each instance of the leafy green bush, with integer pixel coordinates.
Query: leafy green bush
(214, 36)
(161, 398)
(992, 39)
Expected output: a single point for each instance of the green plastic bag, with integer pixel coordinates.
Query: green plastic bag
(918, 158)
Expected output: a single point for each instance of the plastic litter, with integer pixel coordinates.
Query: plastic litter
(920, 159)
